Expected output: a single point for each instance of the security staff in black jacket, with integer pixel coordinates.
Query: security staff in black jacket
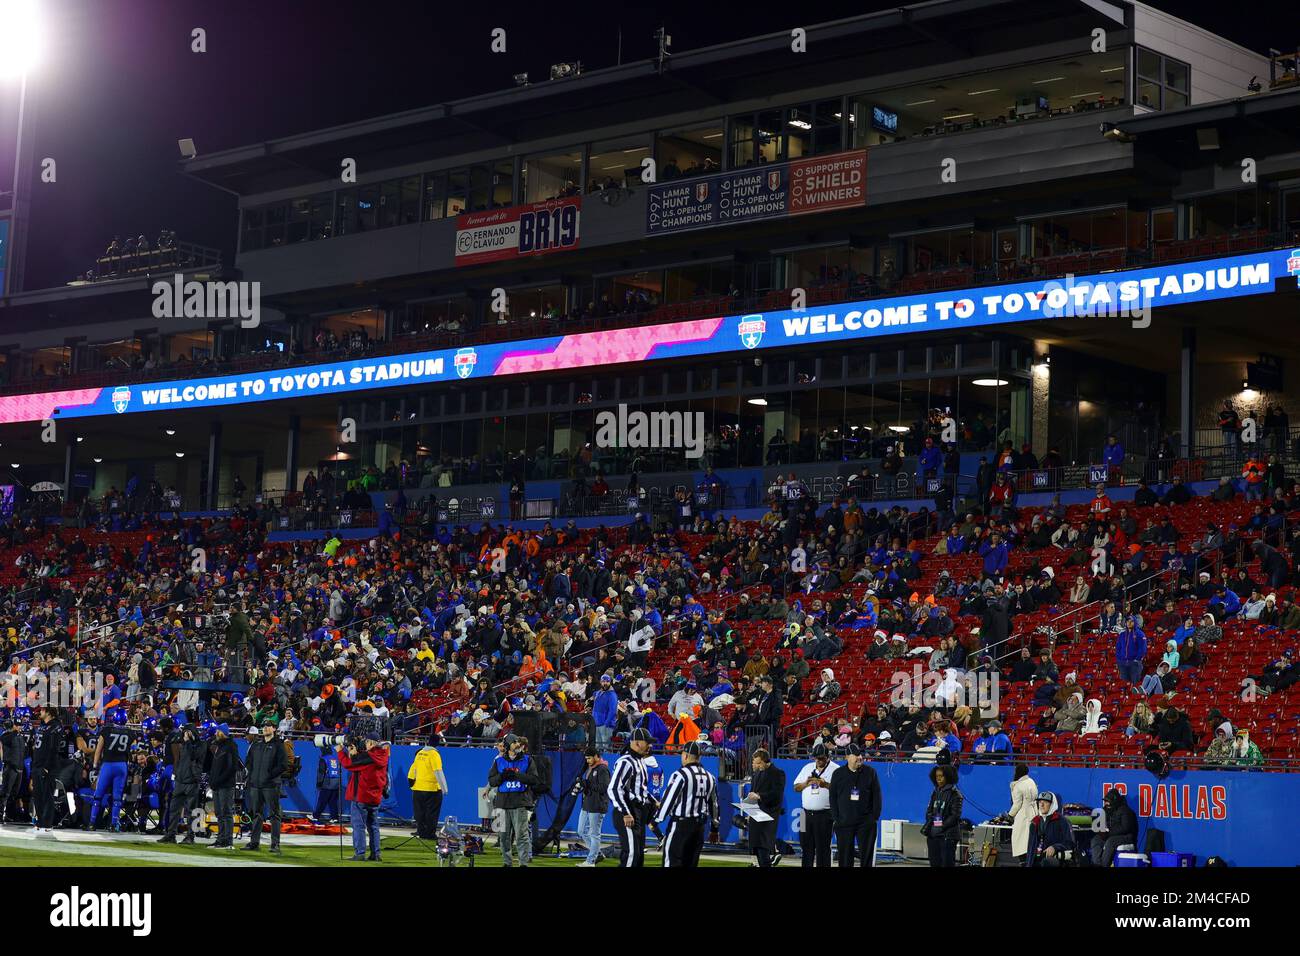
(13, 755)
(266, 763)
(186, 753)
(855, 808)
(47, 759)
(767, 789)
(942, 824)
(223, 766)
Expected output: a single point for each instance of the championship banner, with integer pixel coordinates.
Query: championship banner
(517, 232)
(1126, 296)
(817, 184)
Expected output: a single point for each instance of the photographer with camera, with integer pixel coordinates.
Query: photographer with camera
(514, 776)
(367, 764)
(266, 766)
(186, 753)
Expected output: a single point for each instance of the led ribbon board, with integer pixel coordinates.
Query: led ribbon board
(1101, 298)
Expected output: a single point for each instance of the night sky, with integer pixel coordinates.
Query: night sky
(119, 86)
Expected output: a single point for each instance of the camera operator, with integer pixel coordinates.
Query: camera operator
(186, 753)
(266, 765)
(367, 765)
(514, 776)
(239, 634)
(223, 767)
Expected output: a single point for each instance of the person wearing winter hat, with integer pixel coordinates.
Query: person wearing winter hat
(630, 799)
(514, 776)
(1049, 834)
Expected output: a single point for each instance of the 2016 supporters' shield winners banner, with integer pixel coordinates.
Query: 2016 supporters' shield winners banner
(816, 184)
(531, 230)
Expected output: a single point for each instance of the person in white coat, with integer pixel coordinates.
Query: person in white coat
(1024, 804)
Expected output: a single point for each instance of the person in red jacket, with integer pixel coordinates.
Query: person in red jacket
(367, 780)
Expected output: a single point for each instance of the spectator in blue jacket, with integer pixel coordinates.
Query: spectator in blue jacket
(1113, 455)
(1130, 651)
(604, 712)
(994, 746)
(930, 459)
(994, 553)
(1225, 604)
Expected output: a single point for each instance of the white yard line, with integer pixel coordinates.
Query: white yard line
(58, 843)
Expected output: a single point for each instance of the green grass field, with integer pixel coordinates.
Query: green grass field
(318, 856)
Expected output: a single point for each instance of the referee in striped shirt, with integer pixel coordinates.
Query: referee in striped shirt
(688, 810)
(630, 799)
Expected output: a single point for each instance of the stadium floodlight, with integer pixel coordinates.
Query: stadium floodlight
(22, 37)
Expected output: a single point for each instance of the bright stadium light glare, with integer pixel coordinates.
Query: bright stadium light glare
(22, 37)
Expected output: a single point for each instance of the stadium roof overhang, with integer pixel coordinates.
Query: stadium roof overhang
(846, 50)
(1265, 125)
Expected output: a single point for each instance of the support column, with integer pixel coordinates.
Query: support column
(291, 454)
(69, 467)
(1187, 395)
(214, 466)
(1040, 404)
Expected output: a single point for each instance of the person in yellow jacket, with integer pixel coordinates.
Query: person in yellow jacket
(428, 787)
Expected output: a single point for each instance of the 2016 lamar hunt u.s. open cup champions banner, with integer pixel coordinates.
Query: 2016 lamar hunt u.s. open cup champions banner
(519, 231)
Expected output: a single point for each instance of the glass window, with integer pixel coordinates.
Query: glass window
(1162, 83)
(435, 195)
(390, 201)
(480, 187)
(551, 176)
(689, 152)
(503, 184)
(322, 216)
(769, 137)
(614, 164)
(299, 226)
(275, 223)
(1149, 65)
(409, 199)
(742, 141)
(252, 235)
(828, 122)
(1176, 75)
(367, 208)
(457, 191)
(799, 132)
